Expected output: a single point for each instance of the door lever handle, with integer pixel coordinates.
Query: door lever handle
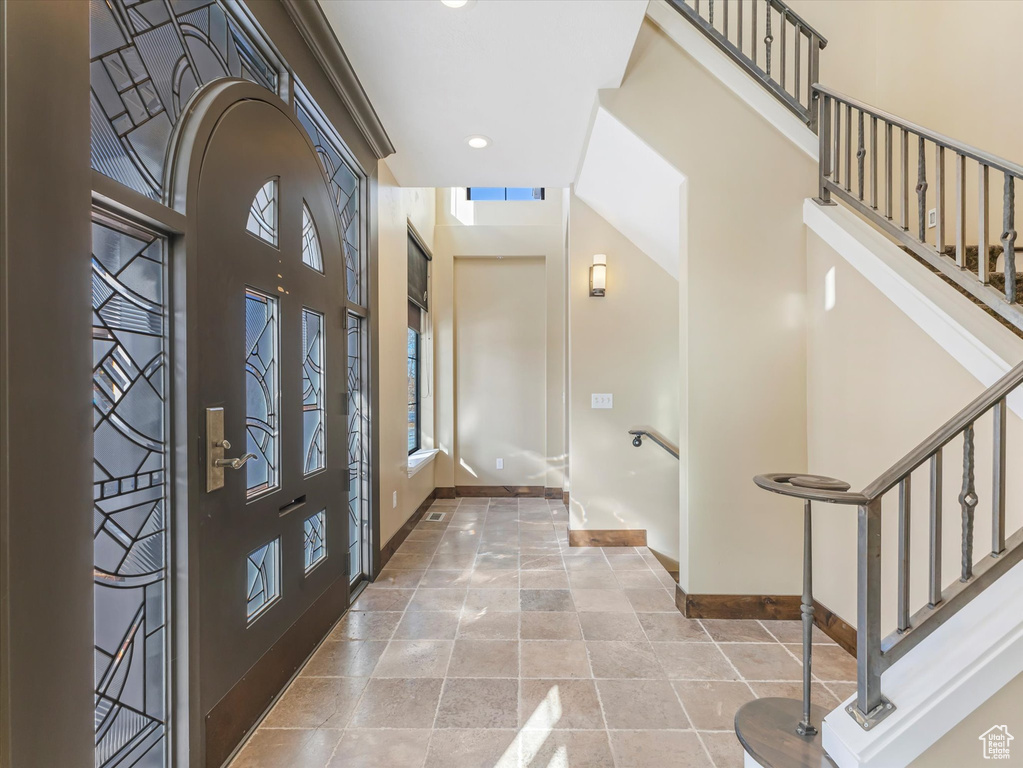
(234, 463)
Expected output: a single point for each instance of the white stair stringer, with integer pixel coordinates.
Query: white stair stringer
(952, 672)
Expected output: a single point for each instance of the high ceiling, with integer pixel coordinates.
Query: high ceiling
(524, 73)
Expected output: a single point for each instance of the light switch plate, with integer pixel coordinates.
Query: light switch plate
(500, 463)
(602, 401)
(394, 500)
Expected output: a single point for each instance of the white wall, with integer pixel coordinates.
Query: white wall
(878, 385)
(501, 351)
(742, 335)
(625, 344)
(396, 206)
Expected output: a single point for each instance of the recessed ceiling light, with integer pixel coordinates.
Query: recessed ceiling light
(477, 142)
(455, 3)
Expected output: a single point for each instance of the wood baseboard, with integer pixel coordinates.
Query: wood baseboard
(832, 625)
(765, 607)
(553, 493)
(444, 492)
(616, 538)
(565, 498)
(402, 533)
(500, 491)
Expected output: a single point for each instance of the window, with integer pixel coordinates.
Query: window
(505, 193)
(415, 320)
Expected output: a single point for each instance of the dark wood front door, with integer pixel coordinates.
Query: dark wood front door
(272, 518)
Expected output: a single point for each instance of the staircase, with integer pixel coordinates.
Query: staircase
(954, 646)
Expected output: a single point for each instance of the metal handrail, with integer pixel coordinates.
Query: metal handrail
(639, 434)
(746, 49)
(845, 124)
(875, 654)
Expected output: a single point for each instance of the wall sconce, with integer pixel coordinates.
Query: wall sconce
(598, 275)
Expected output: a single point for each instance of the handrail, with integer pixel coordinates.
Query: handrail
(875, 654)
(845, 125)
(980, 155)
(639, 434)
(747, 53)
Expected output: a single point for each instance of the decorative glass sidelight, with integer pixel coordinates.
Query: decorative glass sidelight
(264, 579)
(358, 455)
(262, 391)
(262, 220)
(147, 59)
(344, 187)
(311, 255)
(315, 543)
(312, 392)
(129, 494)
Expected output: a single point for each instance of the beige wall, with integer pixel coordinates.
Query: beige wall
(961, 747)
(528, 229)
(742, 332)
(396, 206)
(946, 64)
(500, 352)
(877, 386)
(626, 344)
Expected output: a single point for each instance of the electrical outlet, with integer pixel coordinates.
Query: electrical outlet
(602, 401)
(394, 500)
(500, 463)
(932, 218)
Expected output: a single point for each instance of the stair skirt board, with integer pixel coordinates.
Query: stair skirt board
(616, 538)
(765, 608)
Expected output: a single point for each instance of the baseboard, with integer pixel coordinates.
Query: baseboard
(553, 493)
(402, 533)
(565, 498)
(764, 607)
(617, 538)
(500, 491)
(444, 492)
(832, 625)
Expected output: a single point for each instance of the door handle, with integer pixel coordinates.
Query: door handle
(233, 463)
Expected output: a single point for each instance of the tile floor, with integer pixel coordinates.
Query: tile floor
(488, 643)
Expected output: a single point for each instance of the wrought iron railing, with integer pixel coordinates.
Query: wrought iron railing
(873, 654)
(639, 433)
(769, 40)
(875, 162)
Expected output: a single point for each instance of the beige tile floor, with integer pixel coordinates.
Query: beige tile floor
(488, 643)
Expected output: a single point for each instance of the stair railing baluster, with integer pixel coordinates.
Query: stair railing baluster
(861, 152)
(1009, 237)
(768, 39)
(939, 197)
(873, 162)
(921, 190)
(905, 504)
(784, 54)
(797, 64)
(934, 580)
(968, 503)
(848, 147)
(998, 414)
(753, 33)
(983, 214)
(889, 174)
(961, 213)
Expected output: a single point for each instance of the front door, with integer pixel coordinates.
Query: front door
(272, 520)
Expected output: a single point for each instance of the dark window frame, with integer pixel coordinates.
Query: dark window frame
(543, 194)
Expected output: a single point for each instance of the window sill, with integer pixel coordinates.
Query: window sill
(419, 459)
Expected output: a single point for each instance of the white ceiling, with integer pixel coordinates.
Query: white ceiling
(635, 189)
(522, 72)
